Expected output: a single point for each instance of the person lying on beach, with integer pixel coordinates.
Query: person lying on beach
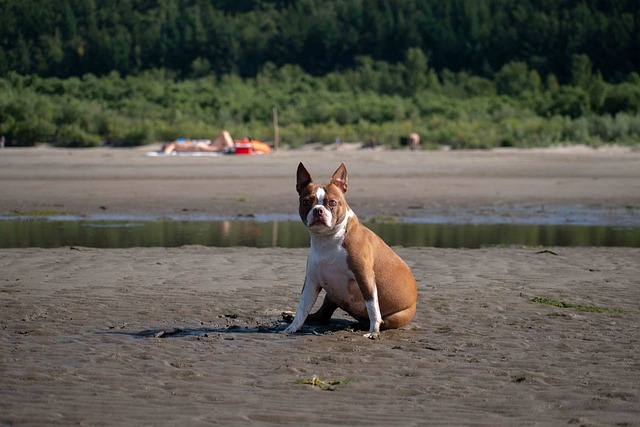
(222, 143)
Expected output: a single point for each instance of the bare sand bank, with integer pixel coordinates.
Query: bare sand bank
(187, 337)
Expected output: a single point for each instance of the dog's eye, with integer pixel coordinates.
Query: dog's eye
(333, 203)
(306, 203)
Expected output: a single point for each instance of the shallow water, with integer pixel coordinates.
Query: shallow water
(47, 233)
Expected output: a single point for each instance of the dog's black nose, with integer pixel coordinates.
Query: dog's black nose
(317, 212)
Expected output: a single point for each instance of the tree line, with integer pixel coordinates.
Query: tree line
(193, 38)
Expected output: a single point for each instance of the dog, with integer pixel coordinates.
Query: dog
(358, 271)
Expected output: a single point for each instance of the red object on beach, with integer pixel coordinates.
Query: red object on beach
(251, 146)
(243, 147)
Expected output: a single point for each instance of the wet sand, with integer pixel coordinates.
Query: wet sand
(188, 336)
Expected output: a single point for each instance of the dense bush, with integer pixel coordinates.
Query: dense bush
(73, 135)
(457, 110)
(622, 97)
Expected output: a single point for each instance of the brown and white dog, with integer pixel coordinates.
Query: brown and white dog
(358, 271)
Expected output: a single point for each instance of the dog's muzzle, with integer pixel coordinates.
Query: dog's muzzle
(319, 215)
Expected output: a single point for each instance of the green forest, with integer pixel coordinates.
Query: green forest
(461, 73)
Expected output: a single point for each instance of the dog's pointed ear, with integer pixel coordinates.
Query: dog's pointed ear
(303, 178)
(339, 178)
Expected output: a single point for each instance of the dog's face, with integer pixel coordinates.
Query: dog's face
(322, 206)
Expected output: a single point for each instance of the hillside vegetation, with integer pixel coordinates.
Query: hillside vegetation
(466, 74)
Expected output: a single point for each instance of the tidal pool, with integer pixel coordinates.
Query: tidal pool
(51, 233)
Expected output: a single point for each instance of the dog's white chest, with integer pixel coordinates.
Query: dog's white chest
(328, 268)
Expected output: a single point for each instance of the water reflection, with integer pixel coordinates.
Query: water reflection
(292, 234)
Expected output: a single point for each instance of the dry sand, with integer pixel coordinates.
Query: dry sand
(382, 183)
(186, 336)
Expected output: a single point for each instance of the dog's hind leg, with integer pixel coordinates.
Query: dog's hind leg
(399, 318)
(324, 313)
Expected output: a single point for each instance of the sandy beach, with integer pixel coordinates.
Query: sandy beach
(188, 336)
(382, 183)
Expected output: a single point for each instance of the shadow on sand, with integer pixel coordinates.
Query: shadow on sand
(336, 325)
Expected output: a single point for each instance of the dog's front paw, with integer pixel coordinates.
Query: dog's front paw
(372, 335)
(289, 331)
